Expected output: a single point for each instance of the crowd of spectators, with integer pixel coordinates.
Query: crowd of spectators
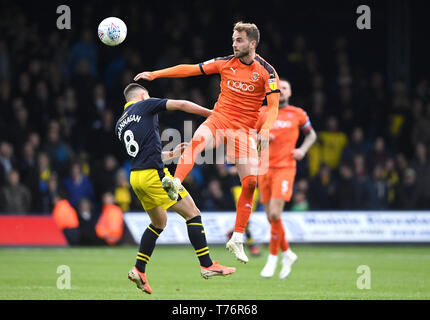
(61, 94)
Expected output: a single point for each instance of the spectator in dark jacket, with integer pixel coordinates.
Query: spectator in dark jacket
(346, 191)
(421, 165)
(78, 186)
(407, 198)
(379, 190)
(322, 189)
(15, 197)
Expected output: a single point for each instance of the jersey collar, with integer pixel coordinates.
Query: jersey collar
(247, 64)
(129, 104)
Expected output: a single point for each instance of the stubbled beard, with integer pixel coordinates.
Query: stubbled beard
(241, 54)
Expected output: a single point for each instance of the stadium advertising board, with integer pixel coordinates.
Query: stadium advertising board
(19, 230)
(304, 227)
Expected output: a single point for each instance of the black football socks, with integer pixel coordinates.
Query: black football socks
(147, 245)
(196, 234)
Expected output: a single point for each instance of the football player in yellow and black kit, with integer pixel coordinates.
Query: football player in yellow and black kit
(137, 129)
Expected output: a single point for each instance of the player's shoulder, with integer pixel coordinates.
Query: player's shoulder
(264, 65)
(225, 58)
(295, 109)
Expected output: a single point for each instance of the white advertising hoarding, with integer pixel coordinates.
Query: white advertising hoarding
(301, 227)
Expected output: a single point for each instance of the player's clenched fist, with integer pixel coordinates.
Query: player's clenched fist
(146, 75)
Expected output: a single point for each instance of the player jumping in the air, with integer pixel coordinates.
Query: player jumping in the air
(138, 130)
(276, 186)
(246, 79)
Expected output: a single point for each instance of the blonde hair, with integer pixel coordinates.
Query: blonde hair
(250, 29)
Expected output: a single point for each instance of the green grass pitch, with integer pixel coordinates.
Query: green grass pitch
(321, 272)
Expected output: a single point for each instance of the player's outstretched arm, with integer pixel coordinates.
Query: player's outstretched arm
(188, 106)
(179, 71)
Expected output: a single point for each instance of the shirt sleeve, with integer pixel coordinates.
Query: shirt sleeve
(211, 66)
(261, 118)
(304, 122)
(155, 105)
(271, 83)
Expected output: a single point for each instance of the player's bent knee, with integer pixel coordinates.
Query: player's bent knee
(193, 212)
(160, 225)
(274, 216)
(160, 222)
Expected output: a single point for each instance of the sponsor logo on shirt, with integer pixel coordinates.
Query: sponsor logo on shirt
(280, 124)
(239, 86)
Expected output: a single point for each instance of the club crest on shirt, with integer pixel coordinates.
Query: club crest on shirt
(255, 76)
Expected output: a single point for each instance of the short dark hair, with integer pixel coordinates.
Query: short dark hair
(250, 29)
(130, 90)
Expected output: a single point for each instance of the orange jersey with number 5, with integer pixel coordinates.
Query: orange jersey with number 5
(284, 134)
(243, 88)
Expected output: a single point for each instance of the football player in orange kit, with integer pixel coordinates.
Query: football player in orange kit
(246, 79)
(276, 186)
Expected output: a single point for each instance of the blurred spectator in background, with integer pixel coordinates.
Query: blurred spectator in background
(378, 192)
(346, 192)
(363, 183)
(6, 161)
(333, 142)
(78, 186)
(60, 153)
(216, 199)
(84, 50)
(104, 176)
(27, 167)
(110, 226)
(421, 131)
(103, 140)
(66, 218)
(322, 189)
(122, 190)
(87, 223)
(376, 105)
(421, 165)
(392, 176)
(407, 196)
(378, 155)
(19, 130)
(4, 61)
(15, 197)
(44, 172)
(48, 195)
(355, 146)
(300, 202)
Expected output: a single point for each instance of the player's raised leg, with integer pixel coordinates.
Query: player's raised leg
(158, 218)
(203, 139)
(196, 233)
(248, 174)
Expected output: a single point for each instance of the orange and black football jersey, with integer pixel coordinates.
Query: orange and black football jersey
(243, 87)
